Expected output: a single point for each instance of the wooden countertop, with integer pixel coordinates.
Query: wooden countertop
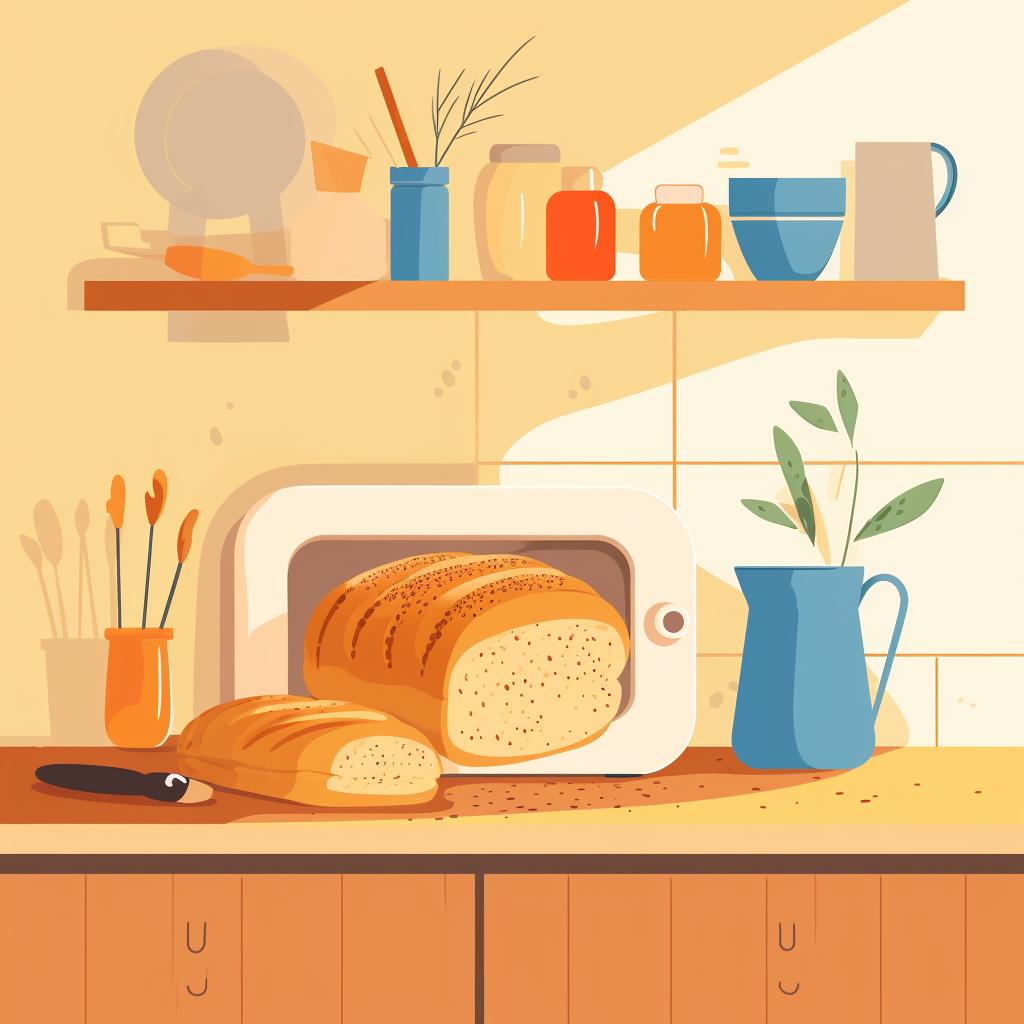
(911, 800)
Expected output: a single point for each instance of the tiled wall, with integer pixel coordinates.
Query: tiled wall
(959, 673)
(690, 400)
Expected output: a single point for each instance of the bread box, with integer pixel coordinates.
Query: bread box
(633, 549)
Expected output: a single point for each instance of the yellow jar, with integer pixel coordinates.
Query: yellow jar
(510, 209)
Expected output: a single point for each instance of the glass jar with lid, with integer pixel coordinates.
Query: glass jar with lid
(680, 236)
(581, 228)
(510, 207)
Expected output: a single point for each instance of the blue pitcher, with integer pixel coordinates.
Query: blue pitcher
(803, 699)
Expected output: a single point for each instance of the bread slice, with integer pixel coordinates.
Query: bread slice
(327, 753)
(496, 658)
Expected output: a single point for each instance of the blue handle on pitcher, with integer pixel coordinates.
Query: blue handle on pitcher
(951, 176)
(897, 629)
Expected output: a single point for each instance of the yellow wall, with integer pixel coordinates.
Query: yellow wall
(86, 395)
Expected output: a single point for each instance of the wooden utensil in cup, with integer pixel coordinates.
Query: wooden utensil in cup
(35, 556)
(84, 569)
(206, 264)
(51, 540)
(396, 118)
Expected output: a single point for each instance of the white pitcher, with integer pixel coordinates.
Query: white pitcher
(894, 219)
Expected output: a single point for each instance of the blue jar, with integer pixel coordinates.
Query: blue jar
(419, 224)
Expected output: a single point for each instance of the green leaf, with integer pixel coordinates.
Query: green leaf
(768, 511)
(847, 403)
(817, 415)
(903, 509)
(792, 465)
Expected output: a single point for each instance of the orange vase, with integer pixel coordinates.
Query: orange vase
(138, 706)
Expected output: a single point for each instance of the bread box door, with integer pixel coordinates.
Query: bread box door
(630, 546)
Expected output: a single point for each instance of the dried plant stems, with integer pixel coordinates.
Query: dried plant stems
(115, 508)
(154, 507)
(184, 546)
(478, 94)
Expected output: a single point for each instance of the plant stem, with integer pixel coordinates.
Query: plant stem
(853, 504)
(117, 541)
(170, 596)
(149, 564)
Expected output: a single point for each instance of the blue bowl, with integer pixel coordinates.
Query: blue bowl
(787, 197)
(788, 241)
(787, 250)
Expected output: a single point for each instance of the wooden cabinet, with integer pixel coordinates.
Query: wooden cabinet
(206, 948)
(994, 937)
(718, 948)
(787, 948)
(541, 948)
(128, 939)
(42, 948)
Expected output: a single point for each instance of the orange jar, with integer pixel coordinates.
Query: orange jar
(680, 236)
(138, 706)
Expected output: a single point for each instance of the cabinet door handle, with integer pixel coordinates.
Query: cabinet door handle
(787, 992)
(188, 938)
(792, 938)
(206, 985)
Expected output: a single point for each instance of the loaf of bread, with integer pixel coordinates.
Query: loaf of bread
(496, 658)
(328, 753)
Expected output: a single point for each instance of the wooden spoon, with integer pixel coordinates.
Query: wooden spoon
(51, 540)
(208, 264)
(35, 556)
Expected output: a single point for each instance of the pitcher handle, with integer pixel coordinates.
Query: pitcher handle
(897, 629)
(951, 176)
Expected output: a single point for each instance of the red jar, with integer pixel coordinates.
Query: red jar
(581, 229)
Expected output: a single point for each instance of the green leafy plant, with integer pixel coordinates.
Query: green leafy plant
(902, 509)
(476, 96)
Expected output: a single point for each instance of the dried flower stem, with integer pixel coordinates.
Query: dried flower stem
(478, 93)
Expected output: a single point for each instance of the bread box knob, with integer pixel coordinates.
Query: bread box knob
(666, 623)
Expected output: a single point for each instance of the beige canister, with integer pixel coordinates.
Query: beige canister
(510, 206)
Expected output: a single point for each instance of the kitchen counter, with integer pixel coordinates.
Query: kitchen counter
(946, 801)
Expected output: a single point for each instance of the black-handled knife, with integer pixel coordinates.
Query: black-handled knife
(103, 778)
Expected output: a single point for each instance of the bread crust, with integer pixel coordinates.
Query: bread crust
(301, 749)
(338, 614)
(413, 632)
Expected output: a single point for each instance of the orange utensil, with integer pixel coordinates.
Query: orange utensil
(396, 117)
(206, 264)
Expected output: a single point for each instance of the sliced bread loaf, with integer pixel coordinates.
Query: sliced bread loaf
(496, 658)
(328, 753)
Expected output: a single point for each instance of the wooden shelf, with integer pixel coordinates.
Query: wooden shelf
(290, 295)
